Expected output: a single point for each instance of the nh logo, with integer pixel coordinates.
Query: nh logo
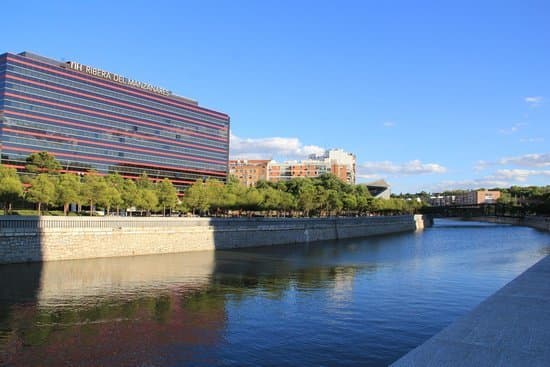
(76, 66)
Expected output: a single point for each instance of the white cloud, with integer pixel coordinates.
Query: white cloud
(481, 165)
(519, 175)
(384, 168)
(272, 147)
(528, 160)
(533, 101)
(513, 129)
(389, 124)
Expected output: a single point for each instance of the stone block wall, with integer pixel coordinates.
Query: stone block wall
(24, 239)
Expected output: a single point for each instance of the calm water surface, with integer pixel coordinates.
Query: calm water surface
(344, 303)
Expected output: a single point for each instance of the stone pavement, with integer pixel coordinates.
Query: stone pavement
(510, 328)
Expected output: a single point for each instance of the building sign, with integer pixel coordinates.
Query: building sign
(117, 78)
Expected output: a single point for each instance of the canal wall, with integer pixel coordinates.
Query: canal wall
(542, 223)
(47, 238)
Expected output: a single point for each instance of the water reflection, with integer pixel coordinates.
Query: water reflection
(107, 311)
(131, 311)
(347, 302)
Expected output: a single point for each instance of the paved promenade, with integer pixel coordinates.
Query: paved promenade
(510, 328)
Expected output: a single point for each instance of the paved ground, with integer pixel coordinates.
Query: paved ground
(510, 328)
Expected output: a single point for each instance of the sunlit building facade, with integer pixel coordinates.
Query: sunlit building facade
(474, 197)
(249, 171)
(89, 118)
(333, 161)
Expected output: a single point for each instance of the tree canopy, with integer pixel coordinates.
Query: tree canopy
(11, 187)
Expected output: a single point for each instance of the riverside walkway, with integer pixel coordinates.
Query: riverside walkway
(510, 328)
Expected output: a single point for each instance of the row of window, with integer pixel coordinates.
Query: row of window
(125, 170)
(68, 148)
(103, 91)
(105, 123)
(36, 126)
(118, 112)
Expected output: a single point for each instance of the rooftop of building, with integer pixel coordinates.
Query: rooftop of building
(328, 155)
(249, 161)
(64, 64)
(377, 183)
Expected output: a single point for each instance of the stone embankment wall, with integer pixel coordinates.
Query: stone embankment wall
(542, 223)
(24, 239)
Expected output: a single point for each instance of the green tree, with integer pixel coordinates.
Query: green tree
(334, 203)
(143, 182)
(42, 162)
(167, 195)
(11, 187)
(251, 200)
(321, 199)
(112, 198)
(130, 195)
(147, 200)
(287, 203)
(68, 190)
(271, 199)
(233, 194)
(215, 194)
(115, 198)
(376, 205)
(41, 191)
(307, 198)
(196, 197)
(349, 202)
(94, 190)
(332, 182)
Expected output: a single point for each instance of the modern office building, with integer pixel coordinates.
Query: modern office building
(89, 118)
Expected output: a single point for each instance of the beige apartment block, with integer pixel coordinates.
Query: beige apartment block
(249, 171)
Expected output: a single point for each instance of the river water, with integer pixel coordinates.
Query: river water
(340, 303)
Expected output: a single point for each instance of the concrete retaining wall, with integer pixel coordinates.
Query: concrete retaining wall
(45, 238)
(542, 223)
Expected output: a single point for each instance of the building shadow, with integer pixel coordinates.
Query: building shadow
(21, 239)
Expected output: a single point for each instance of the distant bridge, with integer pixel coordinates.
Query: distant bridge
(478, 210)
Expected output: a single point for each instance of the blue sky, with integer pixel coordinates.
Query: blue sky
(428, 95)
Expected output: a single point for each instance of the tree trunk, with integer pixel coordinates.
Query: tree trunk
(39, 208)
(65, 208)
(91, 208)
(164, 210)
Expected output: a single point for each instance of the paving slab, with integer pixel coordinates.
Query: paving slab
(510, 328)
